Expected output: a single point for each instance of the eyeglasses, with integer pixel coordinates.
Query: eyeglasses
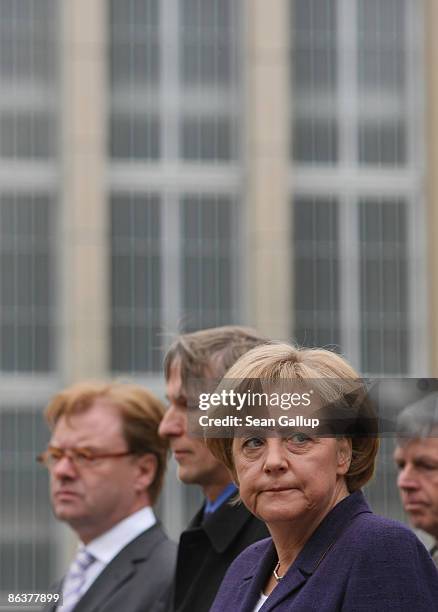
(80, 457)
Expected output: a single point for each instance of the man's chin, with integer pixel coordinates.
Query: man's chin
(65, 512)
(418, 522)
(186, 476)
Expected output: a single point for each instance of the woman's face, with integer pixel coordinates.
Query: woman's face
(292, 478)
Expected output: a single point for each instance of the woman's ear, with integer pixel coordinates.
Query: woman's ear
(344, 452)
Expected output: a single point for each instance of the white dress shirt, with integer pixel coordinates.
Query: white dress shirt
(260, 602)
(109, 544)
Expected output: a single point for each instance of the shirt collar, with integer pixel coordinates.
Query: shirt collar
(105, 547)
(212, 506)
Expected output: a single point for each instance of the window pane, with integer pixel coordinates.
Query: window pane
(134, 137)
(314, 44)
(208, 33)
(381, 75)
(28, 44)
(207, 139)
(384, 289)
(316, 266)
(26, 553)
(26, 279)
(134, 41)
(135, 283)
(314, 81)
(381, 44)
(28, 135)
(382, 142)
(315, 141)
(209, 260)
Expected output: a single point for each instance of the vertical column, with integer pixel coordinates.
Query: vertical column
(84, 223)
(431, 74)
(268, 217)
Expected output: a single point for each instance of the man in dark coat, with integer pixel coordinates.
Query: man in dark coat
(220, 530)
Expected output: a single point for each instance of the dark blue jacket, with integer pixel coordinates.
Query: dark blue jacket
(355, 561)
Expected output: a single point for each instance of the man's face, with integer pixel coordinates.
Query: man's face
(93, 498)
(417, 461)
(196, 465)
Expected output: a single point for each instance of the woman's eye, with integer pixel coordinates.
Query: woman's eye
(251, 443)
(299, 438)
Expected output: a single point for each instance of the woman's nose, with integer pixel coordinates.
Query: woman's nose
(275, 458)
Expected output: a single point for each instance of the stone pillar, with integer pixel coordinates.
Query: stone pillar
(267, 206)
(83, 207)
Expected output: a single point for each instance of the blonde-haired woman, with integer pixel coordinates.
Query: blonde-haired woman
(328, 551)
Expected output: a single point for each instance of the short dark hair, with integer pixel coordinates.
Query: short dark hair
(217, 348)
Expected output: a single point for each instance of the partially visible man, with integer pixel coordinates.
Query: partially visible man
(416, 456)
(219, 531)
(107, 464)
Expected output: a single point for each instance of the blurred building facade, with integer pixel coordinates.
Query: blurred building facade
(168, 165)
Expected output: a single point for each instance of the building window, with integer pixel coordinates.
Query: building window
(134, 136)
(135, 283)
(29, 135)
(142, 272)
(207, 42)
(316, 259)
(26, 283)
(209, 236)
(26, 558)
(174, 150)
(315, 81)
(355, 136)
(134, 75)
(28, 40)
(384, 285)
(134, 42)
(208, 139)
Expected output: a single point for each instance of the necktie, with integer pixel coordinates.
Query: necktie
(75, 579)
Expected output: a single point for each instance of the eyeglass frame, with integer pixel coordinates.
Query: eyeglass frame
(44, 457)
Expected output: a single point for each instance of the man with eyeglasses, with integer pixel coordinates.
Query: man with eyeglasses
(106, 463)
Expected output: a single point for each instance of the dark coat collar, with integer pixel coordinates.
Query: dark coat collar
(314, 551)
(223, 525)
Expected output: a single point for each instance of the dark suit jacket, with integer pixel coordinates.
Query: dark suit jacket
(206, 549)
(355, 561)
(138, 579)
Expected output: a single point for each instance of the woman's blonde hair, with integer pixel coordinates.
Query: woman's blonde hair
(335, 379)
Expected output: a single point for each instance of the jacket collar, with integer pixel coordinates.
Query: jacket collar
(223, 525)
(120, 569)
(307, 562)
